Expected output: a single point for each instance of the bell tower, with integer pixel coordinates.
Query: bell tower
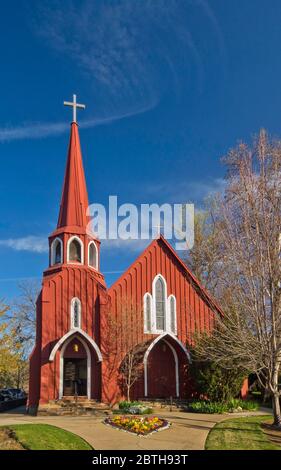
(67, 359)
(72, 242)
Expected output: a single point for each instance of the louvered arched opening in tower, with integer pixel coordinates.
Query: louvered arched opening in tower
(93, 255)
(75, 250)
(56, 251)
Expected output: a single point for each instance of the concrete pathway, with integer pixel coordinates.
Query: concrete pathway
(188, 431)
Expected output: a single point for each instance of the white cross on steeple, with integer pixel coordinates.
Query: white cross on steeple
(75, 105)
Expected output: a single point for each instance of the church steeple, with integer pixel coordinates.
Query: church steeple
(73, 243)
(74, 201)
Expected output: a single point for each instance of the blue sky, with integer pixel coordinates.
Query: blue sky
(170, 86)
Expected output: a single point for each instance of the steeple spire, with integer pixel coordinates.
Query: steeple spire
(74, 201)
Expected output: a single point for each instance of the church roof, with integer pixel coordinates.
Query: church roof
(74, 201)
(195, 282)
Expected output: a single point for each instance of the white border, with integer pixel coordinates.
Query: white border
(97, 256)
(73, 332)
(169, 314)
(75, 237)
(53, 251)
(146, 330)
(159, 276)
(88, 365)
(165, 334)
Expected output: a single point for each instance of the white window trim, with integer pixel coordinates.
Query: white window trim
(97, 256)
(75, 299)
(82, 249)
(53, 251)
(167, 318)
(146, 330)
(159, 276)
(169, 314)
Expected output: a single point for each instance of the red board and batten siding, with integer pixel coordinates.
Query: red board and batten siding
(194, 305)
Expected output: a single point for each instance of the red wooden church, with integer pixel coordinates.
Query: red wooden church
(70, 356)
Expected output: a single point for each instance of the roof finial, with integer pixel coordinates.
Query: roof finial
(75, 105)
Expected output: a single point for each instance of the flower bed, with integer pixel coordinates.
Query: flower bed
(137, 425)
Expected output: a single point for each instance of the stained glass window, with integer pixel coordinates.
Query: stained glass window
(173, 315)
(160, 302)
(75, 313)
(148, 312)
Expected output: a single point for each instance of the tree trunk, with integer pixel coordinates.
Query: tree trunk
(276, 409)
(128, 393)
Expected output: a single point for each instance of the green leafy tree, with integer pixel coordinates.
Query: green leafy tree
(214, 382)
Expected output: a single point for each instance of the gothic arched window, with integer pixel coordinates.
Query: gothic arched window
(172, 311)
(93, 255)
(75, 313)
(160, 304)
(75, 250)
(147, 313)
(160, 312)
(56, 251)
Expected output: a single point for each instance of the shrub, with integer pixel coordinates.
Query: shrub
(134, 407)
(214, 382)
(139, 410)
(205, 406)
(247, 405)
(126, 404)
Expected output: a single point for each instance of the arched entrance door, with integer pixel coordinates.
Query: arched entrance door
(162, 368)
(75, 368)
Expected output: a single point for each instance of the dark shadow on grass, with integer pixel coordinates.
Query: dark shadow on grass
(195, 418)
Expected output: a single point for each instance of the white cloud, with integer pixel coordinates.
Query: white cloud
(29, 243)
(40, 244)
(133, 50)
(40, 130)
(194, 191)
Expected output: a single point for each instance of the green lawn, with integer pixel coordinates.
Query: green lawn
(240, 434)
(46, 437)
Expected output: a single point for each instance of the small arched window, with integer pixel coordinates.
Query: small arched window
(173, 318)
(147, 313)
(93, 255)
(75, 251)
(75, 313)
(160, 304)
(56, 251)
